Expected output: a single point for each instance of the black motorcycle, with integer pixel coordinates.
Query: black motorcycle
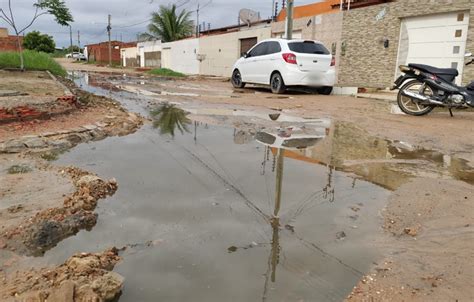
(423, 88)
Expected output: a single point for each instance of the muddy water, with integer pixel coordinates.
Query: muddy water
(193, 213)
(196, 211)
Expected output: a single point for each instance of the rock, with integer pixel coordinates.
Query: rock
(3, 244)
(65, 293)
(88, 180)
(34, 142)
(410, 231)
(14, 146)
(90, 127)
(60, 144)
(341, 235)
(84, 264)
(108, 286)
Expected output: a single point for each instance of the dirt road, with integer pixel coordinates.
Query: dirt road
(428, 221)
(425, 162)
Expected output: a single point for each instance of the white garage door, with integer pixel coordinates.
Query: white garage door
(437, 40)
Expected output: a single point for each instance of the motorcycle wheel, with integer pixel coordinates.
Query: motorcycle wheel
(408, 105)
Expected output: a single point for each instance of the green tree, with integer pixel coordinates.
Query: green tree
(40, 42)
(168, 118)
(167, 26)
(56, 8)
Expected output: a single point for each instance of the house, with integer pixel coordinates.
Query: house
(8, 42)
(100, 52)
(368, 38)
(129, 56)
(215, 51)
(149, 53)
(309, 10)
(181, 56)
(376, 39)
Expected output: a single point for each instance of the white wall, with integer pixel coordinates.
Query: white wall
(181, 56)
(149, 46)
(128, 53)
(221, 51)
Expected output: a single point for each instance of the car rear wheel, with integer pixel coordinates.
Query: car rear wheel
(237, 79)
(326, 90)
(277, 84)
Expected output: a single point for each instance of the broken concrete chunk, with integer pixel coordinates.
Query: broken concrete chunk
(34, 142)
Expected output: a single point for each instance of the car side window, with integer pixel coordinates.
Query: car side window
(259, 50)
(273, 47)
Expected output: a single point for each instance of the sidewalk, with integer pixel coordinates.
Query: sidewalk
(384, 95)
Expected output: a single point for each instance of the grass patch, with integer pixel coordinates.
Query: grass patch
(165, 72)
(51, 155)
(33, 61)
(19, 169)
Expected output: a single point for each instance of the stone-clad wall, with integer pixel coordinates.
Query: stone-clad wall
(366, 62)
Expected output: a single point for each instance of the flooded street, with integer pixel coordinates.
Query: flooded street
(195, 213)
(234, 203)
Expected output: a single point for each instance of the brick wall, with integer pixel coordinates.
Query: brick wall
(100, 52)
(9, 43)
(366, 62)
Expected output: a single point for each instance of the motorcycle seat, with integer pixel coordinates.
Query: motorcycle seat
(438, 71)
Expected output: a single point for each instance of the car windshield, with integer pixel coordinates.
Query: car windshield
(308, 47)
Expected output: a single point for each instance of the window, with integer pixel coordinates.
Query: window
(461, 17)
(454, 65)
(309, 47)
(458, 33)
(259, 50)
(456, 50)
(273, 47)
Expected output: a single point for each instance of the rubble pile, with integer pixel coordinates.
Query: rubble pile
(83, 277)
(48, 227)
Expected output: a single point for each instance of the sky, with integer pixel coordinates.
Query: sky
(129, 16)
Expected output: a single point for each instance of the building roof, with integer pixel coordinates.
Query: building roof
(327, 6)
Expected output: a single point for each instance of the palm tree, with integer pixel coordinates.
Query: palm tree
(166, 25)
(168, 117)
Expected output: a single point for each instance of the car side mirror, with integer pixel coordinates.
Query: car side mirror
(246, 55)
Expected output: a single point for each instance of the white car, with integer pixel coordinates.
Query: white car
(76, 55)
(282, 63)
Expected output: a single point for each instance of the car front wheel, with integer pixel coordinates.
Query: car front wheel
(237, 79)
(276, 84)
(326, 90)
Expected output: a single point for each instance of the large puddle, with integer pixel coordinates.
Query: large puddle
(243, 206)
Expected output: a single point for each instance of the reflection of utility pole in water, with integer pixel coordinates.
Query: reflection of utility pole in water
(329, 191)
(195, 131)
(274, 258)
(279, 180)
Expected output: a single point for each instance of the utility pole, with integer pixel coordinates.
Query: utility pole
(289, 20)
(109, 29)
(79, 40)
(70, 38)
(273, 10)
(197, 22)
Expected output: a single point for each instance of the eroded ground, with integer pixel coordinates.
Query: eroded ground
(380, 199)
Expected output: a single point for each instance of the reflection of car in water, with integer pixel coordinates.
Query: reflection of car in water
(290, 139)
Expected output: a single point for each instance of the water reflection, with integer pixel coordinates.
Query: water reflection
(279, 143)
(167, 117)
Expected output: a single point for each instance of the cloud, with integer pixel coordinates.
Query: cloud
(91, 16)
